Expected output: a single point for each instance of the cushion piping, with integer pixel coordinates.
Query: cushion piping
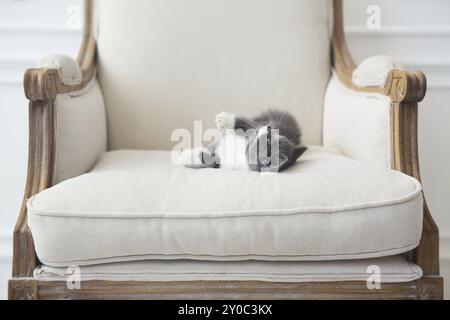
(247, 213)
(43, 274)
(317, 257)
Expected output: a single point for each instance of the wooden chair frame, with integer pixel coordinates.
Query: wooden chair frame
(405, 90)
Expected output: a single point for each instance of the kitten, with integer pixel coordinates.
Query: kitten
(269, 142)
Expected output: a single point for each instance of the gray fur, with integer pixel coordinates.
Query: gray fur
(282, 121)
(285, 135)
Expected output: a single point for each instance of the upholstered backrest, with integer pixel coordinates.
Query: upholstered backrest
(165, 63)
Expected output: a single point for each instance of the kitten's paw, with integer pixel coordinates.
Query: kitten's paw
(192, 158)
(225, 121)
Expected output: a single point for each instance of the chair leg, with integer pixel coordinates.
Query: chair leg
(430, 288)
(22, 289)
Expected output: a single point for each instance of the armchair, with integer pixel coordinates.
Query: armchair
(84, 114)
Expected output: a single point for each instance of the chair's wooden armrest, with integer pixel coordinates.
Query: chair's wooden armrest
(41, 153)
(405, 89)
(400, 86)
(41, 84)
(405, 86)
(44, 84)
(41, 87)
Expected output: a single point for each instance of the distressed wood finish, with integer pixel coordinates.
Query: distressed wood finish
(40, 173)
(23, 289)
(404, 88)
(225, 290)
(425, 288)
(41, 87)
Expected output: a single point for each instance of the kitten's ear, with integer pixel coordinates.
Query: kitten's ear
(283, 162)
(298, 151)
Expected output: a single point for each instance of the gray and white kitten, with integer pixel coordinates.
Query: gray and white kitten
(269, 142)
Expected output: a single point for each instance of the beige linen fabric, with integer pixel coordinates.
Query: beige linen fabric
(392, 269)
(357, 124)
(138, 205)
(165, 63)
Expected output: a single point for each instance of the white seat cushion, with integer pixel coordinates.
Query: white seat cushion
(138, 205)
(392, 269)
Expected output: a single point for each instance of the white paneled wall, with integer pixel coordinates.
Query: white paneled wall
(417, 32)
(29, 29)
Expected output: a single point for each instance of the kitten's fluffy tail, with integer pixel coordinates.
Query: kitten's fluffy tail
(283, 121)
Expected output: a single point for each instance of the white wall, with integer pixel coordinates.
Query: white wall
(29, 29)
(415, 31)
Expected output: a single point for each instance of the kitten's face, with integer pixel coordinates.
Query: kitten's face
(268, 151)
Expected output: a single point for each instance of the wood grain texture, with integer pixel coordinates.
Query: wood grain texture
(400, 86)
(430, 288)
(43, 84)
(225, 290)
(39, 177)
(30, 289)
(41, 88)
(404, 88)
(23, 289)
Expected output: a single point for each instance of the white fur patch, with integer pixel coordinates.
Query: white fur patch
(262, 131)
(231, 151)
(192, 158)
(225, 120)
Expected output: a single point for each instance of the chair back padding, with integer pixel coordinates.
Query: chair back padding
(164, 64)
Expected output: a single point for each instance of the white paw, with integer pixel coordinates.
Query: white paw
(192, 158)
(225, 121)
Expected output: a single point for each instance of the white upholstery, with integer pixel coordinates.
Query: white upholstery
(357, 124)
(392, 269)
(138, 205)
(165, 63)
(80, 132)
(374, 71)
(80, 126)
(69, 72)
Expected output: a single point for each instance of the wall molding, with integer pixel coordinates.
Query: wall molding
(18, 55)
(6, 243)
(6, 255)
(13, 69)
(411, 30)
(437, 70)
(444, 246)
(39, 30)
